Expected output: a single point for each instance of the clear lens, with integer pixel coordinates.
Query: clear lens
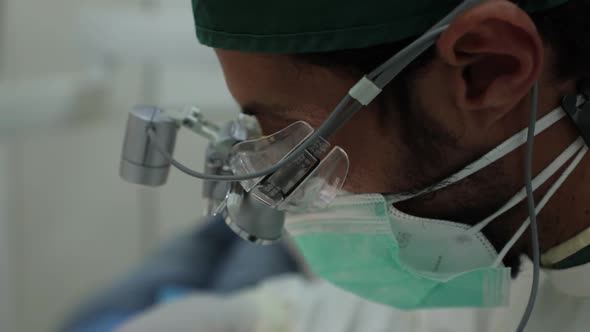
(246, 127)
(252, 156)
(322, 185)
(310, 182)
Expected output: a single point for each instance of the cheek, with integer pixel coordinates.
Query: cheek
(374, 157)
(437, 99)
(274, 122)
(271, 125)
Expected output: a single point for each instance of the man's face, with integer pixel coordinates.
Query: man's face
(279, 91)
(471, 95)
(405, 141)
(399, 143)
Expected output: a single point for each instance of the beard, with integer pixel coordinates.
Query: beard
(432, 154)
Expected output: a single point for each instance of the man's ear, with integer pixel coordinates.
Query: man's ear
(496, 55)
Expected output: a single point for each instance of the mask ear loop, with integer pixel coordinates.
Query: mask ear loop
(539, 180)
(577, 146)
(558, 183)
(489, 158)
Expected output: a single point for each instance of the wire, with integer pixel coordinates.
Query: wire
(381, 76)
(532, 211)
(341, 114)
(384, 74)
(346, 109)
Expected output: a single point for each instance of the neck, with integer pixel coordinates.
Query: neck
(568, 214)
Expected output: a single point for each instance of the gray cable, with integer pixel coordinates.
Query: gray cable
(391, 67)
(532, 213)
(345, 109)
(383, 75)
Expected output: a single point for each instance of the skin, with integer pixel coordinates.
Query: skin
(473, 95)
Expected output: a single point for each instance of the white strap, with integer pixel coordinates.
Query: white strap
(566, 249)
(542, 204)
(494, 155)
(538, 181)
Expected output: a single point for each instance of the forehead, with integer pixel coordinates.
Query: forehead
(282, 87)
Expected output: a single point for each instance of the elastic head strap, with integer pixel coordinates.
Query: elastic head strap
(489, 158)
(538, 181)
(564, 176)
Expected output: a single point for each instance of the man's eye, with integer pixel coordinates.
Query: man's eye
(249, 111)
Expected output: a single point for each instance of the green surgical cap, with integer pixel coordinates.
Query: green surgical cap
(304, 26)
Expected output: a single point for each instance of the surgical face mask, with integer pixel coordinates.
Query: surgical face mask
(363, 244)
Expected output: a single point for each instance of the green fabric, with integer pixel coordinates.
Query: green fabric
(368, 265)
(303, 26)
(354, 245)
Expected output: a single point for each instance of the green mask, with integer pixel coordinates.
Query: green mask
(363, 244)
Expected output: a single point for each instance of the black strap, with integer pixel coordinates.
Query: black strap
(580, 115)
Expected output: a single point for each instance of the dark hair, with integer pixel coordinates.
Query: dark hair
(564, 28)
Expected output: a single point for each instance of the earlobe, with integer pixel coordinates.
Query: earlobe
(496, 54)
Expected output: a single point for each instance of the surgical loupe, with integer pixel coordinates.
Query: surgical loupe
(292, 170)
(254, 207)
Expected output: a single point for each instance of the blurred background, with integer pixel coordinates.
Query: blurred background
(69, 72)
